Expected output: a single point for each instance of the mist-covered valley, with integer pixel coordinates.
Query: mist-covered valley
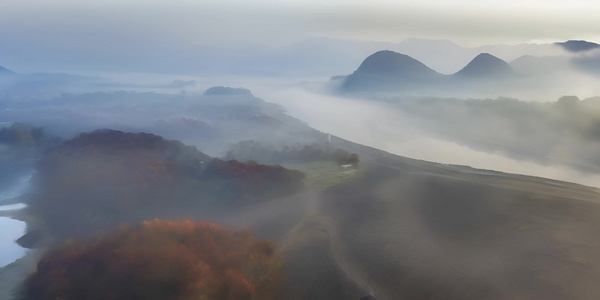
(325, 168)
(545, 137)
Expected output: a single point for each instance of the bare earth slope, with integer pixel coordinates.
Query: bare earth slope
(409, 229)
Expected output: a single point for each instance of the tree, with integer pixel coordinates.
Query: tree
(159, 260)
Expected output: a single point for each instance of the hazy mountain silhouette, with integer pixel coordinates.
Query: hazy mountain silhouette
(389, 69)
(578, 46)
(326, 56)
(535, 65)
(485, 66)
(387, 62)
(227, 91)
(589, 63)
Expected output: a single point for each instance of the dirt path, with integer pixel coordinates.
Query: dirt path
(315, 221)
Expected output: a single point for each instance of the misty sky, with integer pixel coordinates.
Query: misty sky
(67, 30)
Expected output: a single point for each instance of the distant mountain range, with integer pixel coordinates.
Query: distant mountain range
(578, 46)
(315, 56)
(387, 70)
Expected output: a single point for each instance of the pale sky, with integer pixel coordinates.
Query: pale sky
(101, 29)
(277, 21)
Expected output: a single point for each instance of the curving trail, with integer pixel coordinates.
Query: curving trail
(315, 222)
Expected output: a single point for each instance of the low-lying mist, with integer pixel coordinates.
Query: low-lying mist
(543, 138)
(504, 134)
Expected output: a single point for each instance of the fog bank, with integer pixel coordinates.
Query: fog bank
(382, 126)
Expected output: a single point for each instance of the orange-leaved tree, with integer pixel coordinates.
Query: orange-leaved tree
(159, 260)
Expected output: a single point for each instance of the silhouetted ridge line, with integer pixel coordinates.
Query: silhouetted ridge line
(393, 63)
(578, 45)
(486, 65)
(385, 69)
(388, 71)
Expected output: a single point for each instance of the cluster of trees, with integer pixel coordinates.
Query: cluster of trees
(20, 145)
(15, 134)
(253, 180)
(23, 140)
(267, 153)
(99, 180)
(159, 260)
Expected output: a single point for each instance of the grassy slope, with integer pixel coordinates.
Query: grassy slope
(412, 229)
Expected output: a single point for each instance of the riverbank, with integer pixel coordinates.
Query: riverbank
(12, 275)
(12, 226)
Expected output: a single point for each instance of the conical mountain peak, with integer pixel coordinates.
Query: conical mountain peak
(392, 63)
(486, 65)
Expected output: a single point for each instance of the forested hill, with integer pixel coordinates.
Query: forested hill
(105, 178)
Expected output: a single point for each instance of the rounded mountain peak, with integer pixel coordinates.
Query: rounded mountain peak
(388, 62)
(486, 65)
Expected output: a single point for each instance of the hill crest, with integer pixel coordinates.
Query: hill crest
(578, 45)
(486, 65)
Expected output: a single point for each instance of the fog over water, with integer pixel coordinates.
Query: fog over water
(11, 231)
(380, 124)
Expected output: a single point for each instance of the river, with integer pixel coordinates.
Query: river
(11, 229)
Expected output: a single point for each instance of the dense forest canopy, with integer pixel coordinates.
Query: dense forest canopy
(104, 178)
(159, 260)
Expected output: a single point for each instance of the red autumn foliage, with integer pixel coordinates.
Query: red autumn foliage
(99, 180)
(159, 260)
(255, 179)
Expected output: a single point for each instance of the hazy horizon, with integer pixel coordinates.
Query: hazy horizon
(180, 36)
